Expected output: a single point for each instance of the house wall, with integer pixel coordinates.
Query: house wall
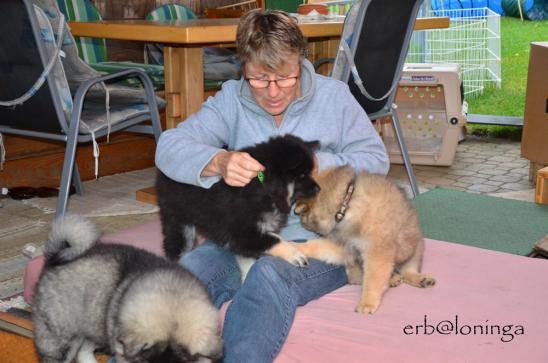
(137, 9)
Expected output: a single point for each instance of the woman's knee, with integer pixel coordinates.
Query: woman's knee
(270, 270)
(303, 284)
(216, 268)
(206, 258)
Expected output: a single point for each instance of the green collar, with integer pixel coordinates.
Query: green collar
(260, 176)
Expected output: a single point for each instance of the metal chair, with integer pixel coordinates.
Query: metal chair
(373, 47)
(48, 92)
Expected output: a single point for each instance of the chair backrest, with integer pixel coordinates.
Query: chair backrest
(378, 33)
(91, 50)
(23, 57)
(171, 12)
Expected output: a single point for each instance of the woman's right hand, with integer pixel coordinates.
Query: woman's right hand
(237, 168)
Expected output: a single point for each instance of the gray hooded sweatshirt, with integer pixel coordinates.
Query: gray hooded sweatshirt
(325, 111)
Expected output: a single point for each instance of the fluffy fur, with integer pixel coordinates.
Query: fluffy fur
(244, 219)
(380, 229)
(119, 299)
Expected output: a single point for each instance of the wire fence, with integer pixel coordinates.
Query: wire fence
(472, 41)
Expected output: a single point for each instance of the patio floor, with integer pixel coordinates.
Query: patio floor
(482, 165)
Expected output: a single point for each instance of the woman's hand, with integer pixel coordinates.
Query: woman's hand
(237, 168)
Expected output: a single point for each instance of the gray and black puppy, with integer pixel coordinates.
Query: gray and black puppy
(118, 299)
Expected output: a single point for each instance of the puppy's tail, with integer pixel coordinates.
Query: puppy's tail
(70, 236)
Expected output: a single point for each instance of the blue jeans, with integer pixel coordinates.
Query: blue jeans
(260, 316)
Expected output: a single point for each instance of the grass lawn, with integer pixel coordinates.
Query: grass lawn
(509, 100)
(516, 37)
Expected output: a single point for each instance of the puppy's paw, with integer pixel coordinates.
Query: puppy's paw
(427, 281)
(418, 279)
(298, 259)
(395, 280)
(287, 251)
(367, 307)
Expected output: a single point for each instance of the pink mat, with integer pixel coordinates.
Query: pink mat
(476, 289)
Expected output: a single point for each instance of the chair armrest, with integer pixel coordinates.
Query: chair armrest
(84, 88)
(322, 61)
(127, 73)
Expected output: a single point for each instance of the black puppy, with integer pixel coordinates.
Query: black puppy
(244, 219)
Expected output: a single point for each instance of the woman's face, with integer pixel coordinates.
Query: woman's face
(274, 98)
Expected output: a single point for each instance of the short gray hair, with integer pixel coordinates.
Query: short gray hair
(267, 37)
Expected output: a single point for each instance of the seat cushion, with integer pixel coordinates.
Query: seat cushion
(154, 71)
(124, 103)
(502, 296)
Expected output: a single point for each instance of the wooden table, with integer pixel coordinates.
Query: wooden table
(184, 41)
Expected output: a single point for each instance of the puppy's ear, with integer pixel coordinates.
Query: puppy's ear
(313, 145)
(301, 207)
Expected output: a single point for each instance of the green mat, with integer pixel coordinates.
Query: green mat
(482, 221)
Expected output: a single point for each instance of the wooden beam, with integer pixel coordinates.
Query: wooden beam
(147, 195)
(440, 22)
(495, 120)
(541, 188)
(43, 167)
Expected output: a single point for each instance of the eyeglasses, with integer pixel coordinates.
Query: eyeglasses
(265, 83)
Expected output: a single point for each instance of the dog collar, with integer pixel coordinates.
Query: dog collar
(344, 206)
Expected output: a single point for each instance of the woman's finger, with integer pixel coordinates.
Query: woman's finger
(251, 164)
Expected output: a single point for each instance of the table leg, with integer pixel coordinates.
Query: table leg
(184, 82)
(184, 89)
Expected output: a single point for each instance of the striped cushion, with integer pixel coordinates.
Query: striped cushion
(92, 50)
(154, 71)
(171, 11)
